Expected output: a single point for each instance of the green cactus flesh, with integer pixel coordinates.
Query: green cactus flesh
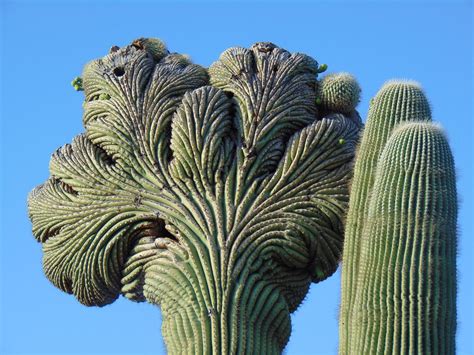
(338, 92)
(396, 102)
(217, 194)
(367, 249)
(405, 297)
(77, 83)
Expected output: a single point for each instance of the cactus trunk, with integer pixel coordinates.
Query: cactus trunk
(254, 319)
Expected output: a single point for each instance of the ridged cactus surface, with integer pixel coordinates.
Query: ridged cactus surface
(217, 194)
(339, 92)
(396, 102)
(399, 259)
(405, 299)
(220, 194)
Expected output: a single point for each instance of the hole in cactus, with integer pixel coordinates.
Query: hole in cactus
(119, 71)
(104, 155)
(138, 44)
(68, 188)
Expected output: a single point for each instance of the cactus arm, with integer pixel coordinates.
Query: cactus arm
(405, 299)
(396, 102)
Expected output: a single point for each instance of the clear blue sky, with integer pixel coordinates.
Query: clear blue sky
(45, 44)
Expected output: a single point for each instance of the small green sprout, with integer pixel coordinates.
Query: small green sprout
(319, 273)
(77, 83)
(322, 68)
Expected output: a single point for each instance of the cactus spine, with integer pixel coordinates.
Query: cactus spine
(398, 279)
(339, 92)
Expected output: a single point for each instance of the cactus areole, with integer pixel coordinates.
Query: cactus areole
(217, 194)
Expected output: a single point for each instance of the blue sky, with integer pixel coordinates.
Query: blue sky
(45, 44)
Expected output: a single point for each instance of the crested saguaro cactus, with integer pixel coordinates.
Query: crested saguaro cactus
(217, 194)
(399, 261)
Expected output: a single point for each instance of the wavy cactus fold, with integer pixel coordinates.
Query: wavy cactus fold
(217, 194)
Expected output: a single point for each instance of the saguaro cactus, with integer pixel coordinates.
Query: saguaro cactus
(216, 194)
(399, 263)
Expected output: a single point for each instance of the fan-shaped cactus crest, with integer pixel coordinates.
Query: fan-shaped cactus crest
(217, 194)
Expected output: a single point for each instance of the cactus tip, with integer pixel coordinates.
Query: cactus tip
(339, 92)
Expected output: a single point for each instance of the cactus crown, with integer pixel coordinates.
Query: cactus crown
(217, 194)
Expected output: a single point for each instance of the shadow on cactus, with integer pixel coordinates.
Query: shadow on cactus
(217, 194)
